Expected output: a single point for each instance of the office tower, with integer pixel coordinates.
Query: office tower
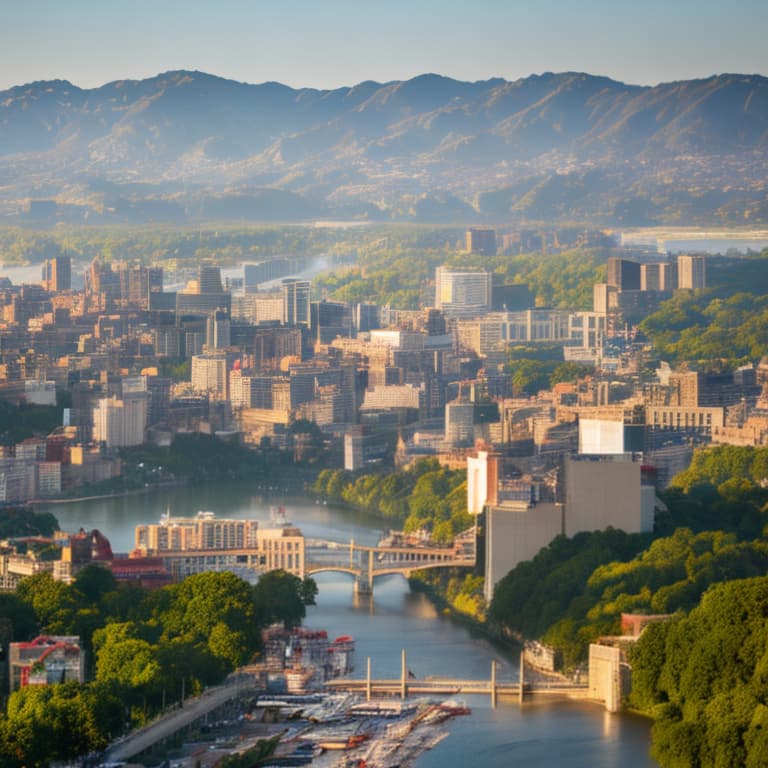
(434, 322)
(481, 240)
(330, 319)
(57, 274)
(209, 279)
(296, 294)
(218, 330)
(120, 423)
(366, 317)
(658, 276)
(137, 282)
(624, 275)
(462, 293)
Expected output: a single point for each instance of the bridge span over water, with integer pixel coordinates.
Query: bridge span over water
(366, 562)
(529, 683)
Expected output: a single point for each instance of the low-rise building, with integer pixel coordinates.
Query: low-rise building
(46, 660)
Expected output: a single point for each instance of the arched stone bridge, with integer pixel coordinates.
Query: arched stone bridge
(367, 562)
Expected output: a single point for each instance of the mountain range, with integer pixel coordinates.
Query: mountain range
(189, 146)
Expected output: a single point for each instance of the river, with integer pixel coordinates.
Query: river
(539, 733)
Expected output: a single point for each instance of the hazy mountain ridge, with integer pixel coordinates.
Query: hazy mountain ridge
(372, 146)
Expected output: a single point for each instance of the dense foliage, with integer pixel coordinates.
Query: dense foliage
(24, 521)
(17, 423)
(576, 589)
(425, 496)
(536, 367)
(729, 467)
(704, 678)
(728, 321)
(173, 247)
(147, 648)
(402, 273)
(548, 596)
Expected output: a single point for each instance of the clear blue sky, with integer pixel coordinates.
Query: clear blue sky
(342, 42)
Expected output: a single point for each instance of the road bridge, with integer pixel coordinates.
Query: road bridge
(367, 562)
(407, 685)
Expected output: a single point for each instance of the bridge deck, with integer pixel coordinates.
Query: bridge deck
(455, 685)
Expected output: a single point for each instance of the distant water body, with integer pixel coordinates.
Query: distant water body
(713, 246)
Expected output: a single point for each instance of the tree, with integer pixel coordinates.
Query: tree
(221, 601)
(51, 600)
(20, 617)
(280, 596)
(93, 582)
(124, 658)
(56, 723)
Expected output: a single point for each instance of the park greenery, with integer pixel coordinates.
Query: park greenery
(536, 367)
(174, 247)
(147, 650)
(23, 521)
(401, 274)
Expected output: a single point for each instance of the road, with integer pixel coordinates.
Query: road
(193, 709)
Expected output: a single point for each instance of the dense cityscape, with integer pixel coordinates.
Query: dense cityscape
(383, 385)
(481, 415)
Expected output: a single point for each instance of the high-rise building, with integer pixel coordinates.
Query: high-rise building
(137, 282)
(57, 274)
(691, 272)
(218, 330)
(120, 423)
(462, 293)
(603, 298)
(481, 240)
(330, 319)
(209, 374)
(366, 317)
(658, 276)
(209, 279)
(623, 274)
(296, 295)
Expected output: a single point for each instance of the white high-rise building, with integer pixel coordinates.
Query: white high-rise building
(209, 374)
(120, 423)
(462, 292)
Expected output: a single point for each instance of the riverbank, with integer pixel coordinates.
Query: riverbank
(397, 618)
(112, 495)
(509, 647)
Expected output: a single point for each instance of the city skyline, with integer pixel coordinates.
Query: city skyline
(339, 43)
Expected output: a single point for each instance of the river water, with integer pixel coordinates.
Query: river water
(541, 732)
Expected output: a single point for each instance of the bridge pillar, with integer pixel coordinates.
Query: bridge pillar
(363, 586)
(522, 676)
(370, 571)
(494, 692)
(403, 676)
(368, 681)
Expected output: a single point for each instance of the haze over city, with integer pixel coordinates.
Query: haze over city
(337, 43)
(437, 328)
